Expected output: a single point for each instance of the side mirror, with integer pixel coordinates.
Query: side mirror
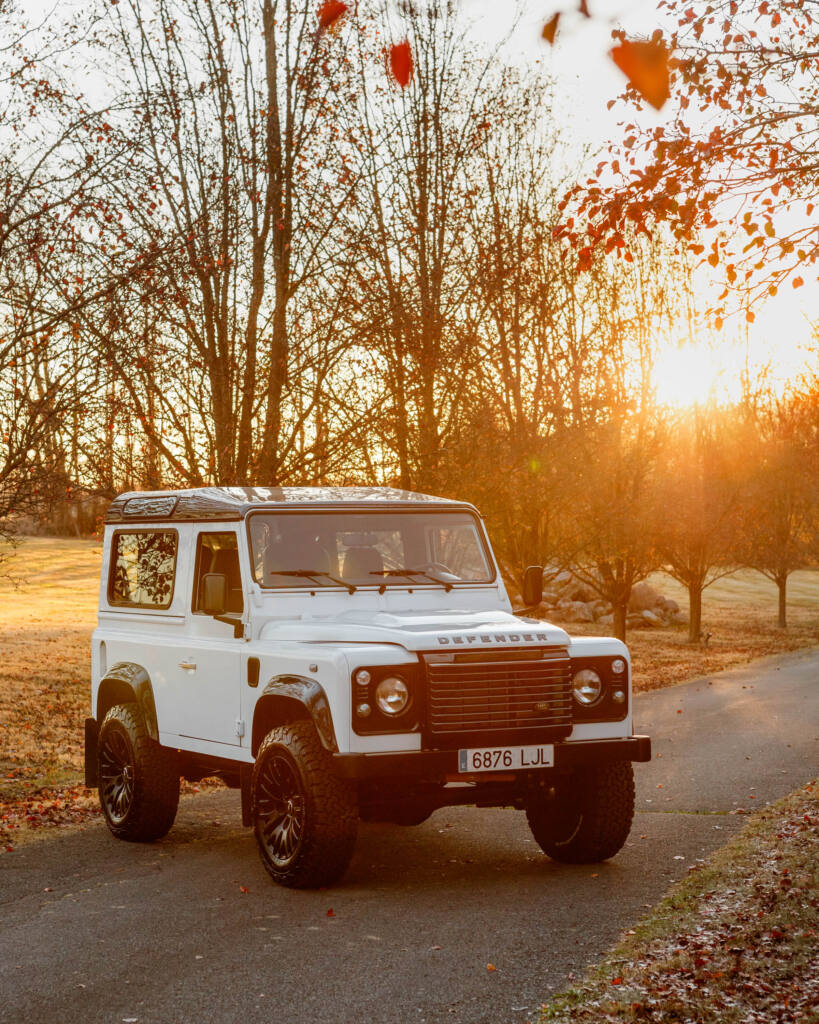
(214, 591)
(532, 586)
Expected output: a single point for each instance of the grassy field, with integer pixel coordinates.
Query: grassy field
(44, 674)
(740, 612)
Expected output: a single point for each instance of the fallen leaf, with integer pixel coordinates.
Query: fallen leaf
(401, 62)
(595, 875)
(550, 28)
(491, 967)
(617, 981)
(243, 888)
(329, 14)
(331, 912)
(644, 62)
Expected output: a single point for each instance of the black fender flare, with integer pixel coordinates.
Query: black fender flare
(309, 693)
(129, 681)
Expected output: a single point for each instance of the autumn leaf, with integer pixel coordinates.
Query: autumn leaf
(401, 62)
(583, 7)
(329, 14)
(331, 912)
(243, 888)
(491, 967)
(550, 28)
(645, 64)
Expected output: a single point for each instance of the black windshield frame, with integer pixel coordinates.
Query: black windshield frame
(429, 516)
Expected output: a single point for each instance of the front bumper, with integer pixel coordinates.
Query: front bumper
(419, 765)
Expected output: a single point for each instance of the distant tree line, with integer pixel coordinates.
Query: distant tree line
(244, 255)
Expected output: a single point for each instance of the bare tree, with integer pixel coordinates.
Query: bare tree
(702, 494)
(780, 523)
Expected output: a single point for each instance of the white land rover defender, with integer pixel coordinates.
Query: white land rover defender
(341, 654)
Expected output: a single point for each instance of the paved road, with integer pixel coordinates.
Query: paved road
(92, 930)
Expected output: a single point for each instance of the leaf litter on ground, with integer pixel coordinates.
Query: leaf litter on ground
(734, 943)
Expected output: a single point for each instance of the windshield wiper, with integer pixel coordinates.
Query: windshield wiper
(415, 572)
(312, 574)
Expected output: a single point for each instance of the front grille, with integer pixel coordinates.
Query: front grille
(494, 698)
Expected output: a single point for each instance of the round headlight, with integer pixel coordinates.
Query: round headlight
(392, 695)
(362, 677)
(618, 666)
(587, 686)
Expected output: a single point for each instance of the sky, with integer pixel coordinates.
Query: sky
(586, 79)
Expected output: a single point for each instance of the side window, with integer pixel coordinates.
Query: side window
(218, 552)
(143, 564)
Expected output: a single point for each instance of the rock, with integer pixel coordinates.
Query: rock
(578, 611)
(668, 606)
(651, 618)
(577, 591)
(643, 597)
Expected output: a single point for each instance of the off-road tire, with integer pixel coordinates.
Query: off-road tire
(587, 817)
(138, 779)
(304, 814)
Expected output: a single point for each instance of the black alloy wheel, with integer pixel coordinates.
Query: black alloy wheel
(116, 774)
(281, 808)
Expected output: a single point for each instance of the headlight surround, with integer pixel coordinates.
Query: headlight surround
(587, 687)
(392, 695)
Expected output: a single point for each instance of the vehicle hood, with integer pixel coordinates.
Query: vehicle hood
(421, 630)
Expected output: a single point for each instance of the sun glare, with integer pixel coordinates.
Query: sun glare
(694, 375)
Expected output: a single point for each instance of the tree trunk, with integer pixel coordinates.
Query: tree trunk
(782, 586)
(619, 611)
(694, 611)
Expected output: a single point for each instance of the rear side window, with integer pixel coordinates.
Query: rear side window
(143, 565)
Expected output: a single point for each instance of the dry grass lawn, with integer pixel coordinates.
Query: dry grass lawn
(49, 615)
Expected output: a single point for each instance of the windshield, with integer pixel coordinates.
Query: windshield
(380, 549)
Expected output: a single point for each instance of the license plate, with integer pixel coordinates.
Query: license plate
(500, 759)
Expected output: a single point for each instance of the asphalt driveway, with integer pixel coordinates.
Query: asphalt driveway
(191, 929)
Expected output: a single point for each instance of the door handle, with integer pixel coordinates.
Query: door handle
(187, 664)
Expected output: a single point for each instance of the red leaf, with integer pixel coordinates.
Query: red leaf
(491, 967)
(401, 62)
(331, 912)
(550, 28)
(617, 981)
(645, 65)
(243, 888)
(329, 13)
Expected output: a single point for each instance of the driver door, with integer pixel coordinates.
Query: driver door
(205, 667)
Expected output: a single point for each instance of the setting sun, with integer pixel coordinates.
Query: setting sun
(694, 375)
